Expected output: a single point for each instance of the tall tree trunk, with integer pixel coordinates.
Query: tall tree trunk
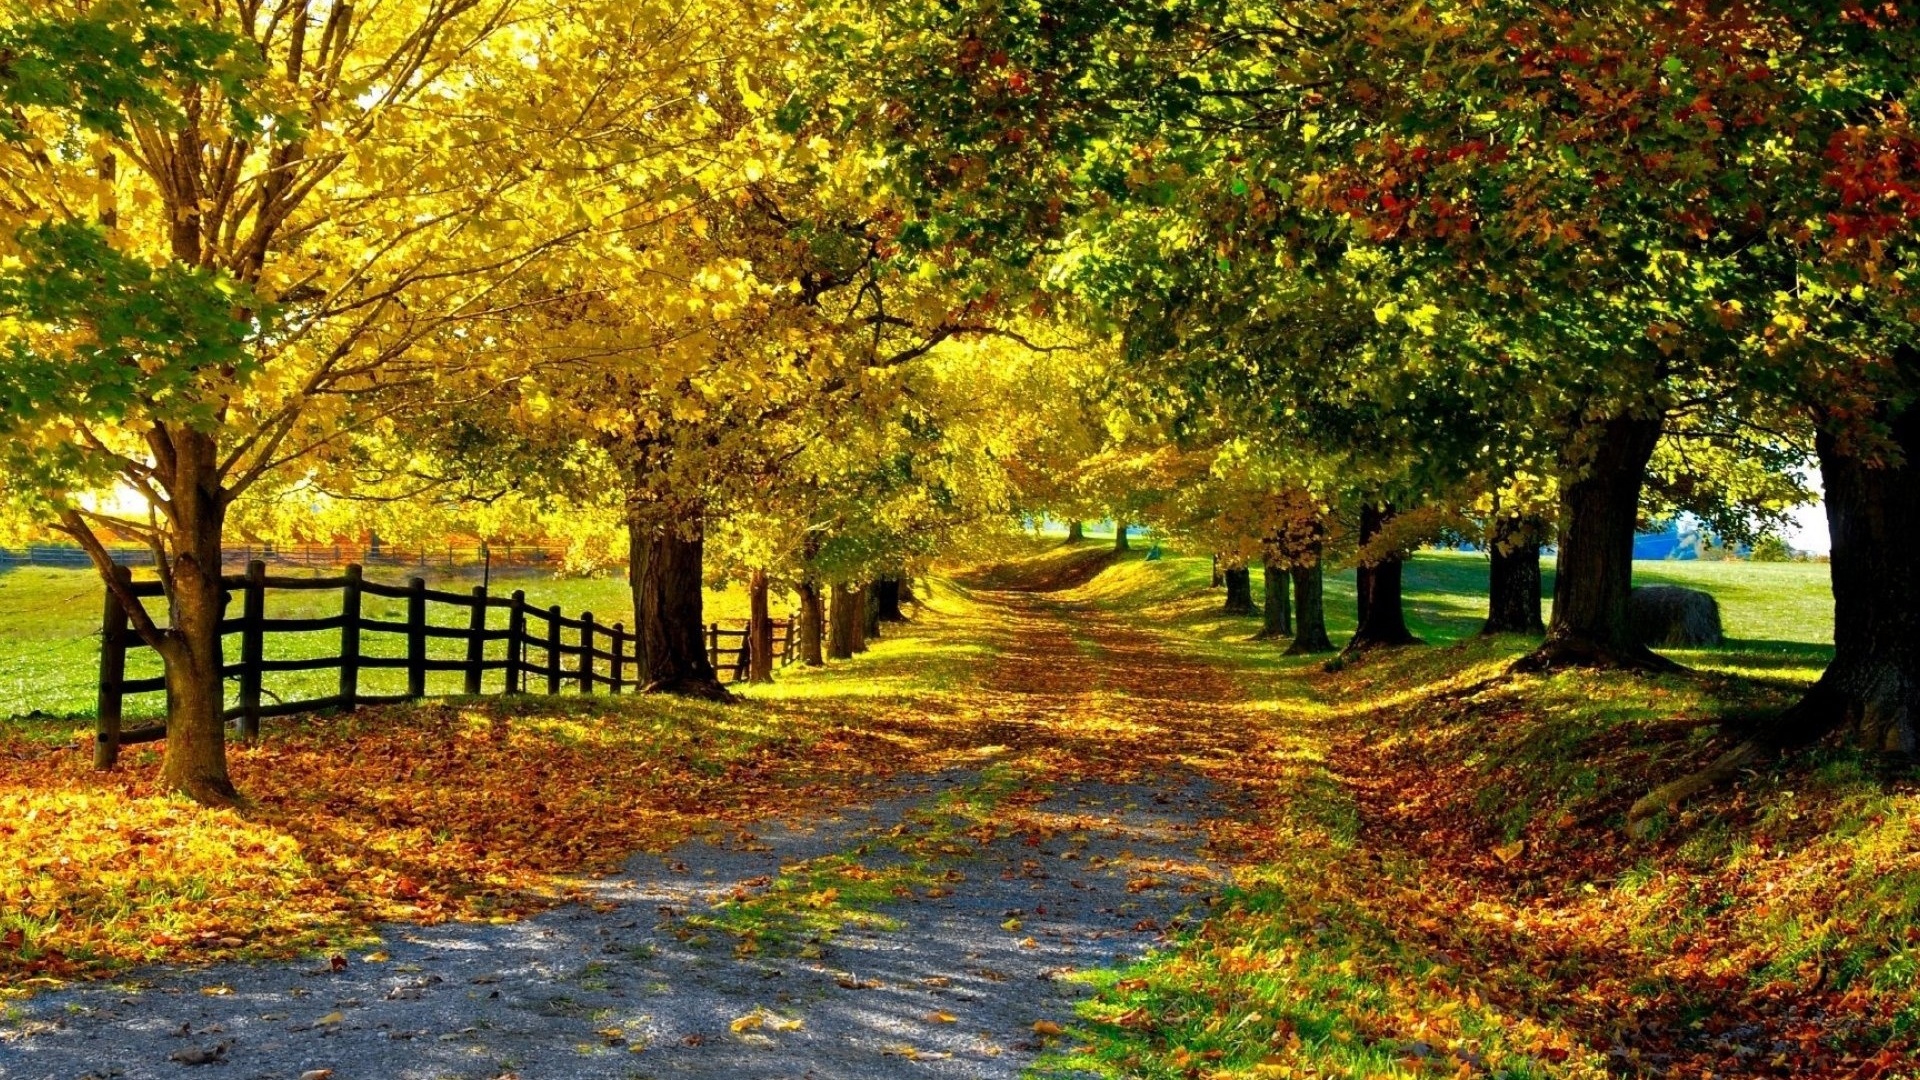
(1599, 508)
(1513, 576)
(886, 595)
(1277, 613)
(1310, 622)
(1075, 532)
(759, 630)
(857, 596)
(1119, 536)
(196, 755)
(1383, 619)
(842, 621)
(1219, 576)
(812, 624)
(1870, 693)
(870, 623)
(1871, 690)
(1239, 591)
(665, 568)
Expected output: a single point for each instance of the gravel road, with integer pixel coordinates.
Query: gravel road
(948, 981)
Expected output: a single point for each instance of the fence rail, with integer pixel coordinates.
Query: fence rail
(559, 653)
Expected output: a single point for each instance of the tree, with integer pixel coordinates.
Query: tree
(260, 219)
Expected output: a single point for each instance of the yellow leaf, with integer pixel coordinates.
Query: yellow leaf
(941, 1018)
(216, 991)
(749, 1022)
(1511, 851)
(330, 1018)
(1047, 1027)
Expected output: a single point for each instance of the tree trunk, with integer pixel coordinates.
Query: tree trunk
(1075, 532)
(759, 630)
(1310, 623)
(1119, 536)
(1599, 507)
(842, 621)
(1219, 577)
(886, 595)
(1278, 610)
(1383, 620)
(858, 598)
(811, 624)
(1239, 591)
(665, 567)
(196, 755)
(1871, 690)
(1513, 576)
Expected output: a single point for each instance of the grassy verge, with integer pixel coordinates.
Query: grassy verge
(1434, 881)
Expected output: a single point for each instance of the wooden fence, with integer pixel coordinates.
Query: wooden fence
(539, 643)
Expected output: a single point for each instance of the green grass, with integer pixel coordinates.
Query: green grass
(1440, 868)
(50, 621)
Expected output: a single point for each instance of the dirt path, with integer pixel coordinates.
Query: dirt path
(931, 933)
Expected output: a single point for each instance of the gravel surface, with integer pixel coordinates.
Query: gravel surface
(628, 987)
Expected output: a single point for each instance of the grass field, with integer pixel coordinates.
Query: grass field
(1778, 619)
(50, 622)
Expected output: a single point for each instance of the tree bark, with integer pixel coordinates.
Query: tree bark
(1219, 576)
(1119, 536)
(1871, 690)
(1075, 532)
(665, 564)
(857, 596)
(812, 624)
(1277, 613)
(870, 612)
(190, 651)
(759, 630)
(1310, 623)
(1513, 576)
(1383, 620)
(1599, 507)
(886, 595)
(842, 620)
(1239, 590)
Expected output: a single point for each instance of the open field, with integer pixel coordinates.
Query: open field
(50, 621)
(1778, 619)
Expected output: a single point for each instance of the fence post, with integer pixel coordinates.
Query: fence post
(516, 644)
(713, 646)
(350, 638)
(476, 640)
(417, 637)
(619, 654)
(553, 649)
(253, 647)
(113, 672)
(586, 652)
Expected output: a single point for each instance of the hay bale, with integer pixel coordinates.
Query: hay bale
(1670, 617)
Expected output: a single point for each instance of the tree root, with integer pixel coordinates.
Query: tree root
(699, 689)
(1557, 653)
(1670, 795)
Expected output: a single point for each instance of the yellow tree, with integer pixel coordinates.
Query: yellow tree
(232, 228)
